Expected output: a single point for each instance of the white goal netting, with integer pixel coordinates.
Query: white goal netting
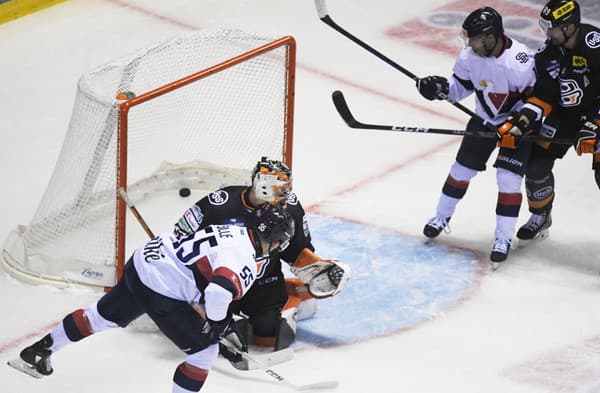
(203, 134)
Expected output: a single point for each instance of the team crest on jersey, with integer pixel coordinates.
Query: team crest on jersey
(218, 198)
(570, 93)
(292, 199)
(592, 39)
(261, 266)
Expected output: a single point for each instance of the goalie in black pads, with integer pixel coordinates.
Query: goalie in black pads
(565, 103)
(185, 283)
(499, 71)
(273, 304)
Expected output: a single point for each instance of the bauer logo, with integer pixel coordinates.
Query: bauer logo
(592, 39)
(218, 198)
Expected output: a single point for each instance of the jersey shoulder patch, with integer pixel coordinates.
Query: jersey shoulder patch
(592, 39)
(292, 199)
(218, 198)
(191, 220)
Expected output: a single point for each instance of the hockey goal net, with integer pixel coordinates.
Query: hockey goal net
(205, 107)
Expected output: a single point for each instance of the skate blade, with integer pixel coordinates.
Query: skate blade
(23, 367)
(542, 235)
(495, 265)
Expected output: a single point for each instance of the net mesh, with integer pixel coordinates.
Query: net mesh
(206, 134)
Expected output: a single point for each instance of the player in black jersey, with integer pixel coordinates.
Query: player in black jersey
(272, 302)
(565, 104)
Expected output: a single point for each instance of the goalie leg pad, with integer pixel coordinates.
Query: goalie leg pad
(286, 332)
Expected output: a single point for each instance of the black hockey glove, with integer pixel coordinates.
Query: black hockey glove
(234, 342)
(215, 329)
(433, 87)
(587, 139)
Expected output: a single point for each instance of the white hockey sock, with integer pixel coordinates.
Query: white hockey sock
(59, 337)
(505, 227)
(446, 206)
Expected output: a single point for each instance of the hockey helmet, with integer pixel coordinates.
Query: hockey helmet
(485, 20)
(559, 12)
(274, 224)
(271, 180)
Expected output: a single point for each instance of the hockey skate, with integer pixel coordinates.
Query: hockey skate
(535, 228)
(35, 359)
(435, 226)
(500, 251)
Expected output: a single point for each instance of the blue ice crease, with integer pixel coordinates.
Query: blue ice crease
(397, 282)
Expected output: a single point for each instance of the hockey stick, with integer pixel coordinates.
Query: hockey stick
(260, 361)
(342, 107)
(134, 211)
(324, 16)
(251, 359)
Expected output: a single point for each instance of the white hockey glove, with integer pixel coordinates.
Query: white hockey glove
(324, 278)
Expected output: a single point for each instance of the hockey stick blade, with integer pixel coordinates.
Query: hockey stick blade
(321, 6)
(26, 368)
(344, 111)
(273, 374)
(269, 359)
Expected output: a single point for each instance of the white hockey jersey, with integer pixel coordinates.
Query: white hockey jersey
(182, 268)
(500, 83)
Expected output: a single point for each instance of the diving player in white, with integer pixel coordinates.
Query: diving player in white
(499, 70)
(185, 284)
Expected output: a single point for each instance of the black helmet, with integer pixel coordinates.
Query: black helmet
(559, 12)
(485, 20)
(274, 224)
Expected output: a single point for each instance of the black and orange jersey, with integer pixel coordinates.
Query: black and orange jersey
(229, 205)
(568, 81)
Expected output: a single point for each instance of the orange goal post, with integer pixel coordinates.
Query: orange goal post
(196, 111)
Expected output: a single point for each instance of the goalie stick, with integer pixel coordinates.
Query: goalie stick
(266, 368)
(325, 18)
(342, 107)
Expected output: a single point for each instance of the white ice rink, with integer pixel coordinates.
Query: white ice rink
(533, 326)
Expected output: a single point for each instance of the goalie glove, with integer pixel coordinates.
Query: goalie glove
(324, 278)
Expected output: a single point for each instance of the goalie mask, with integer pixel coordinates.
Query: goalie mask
(271, 180)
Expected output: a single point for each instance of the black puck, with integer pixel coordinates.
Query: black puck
(184, 192)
